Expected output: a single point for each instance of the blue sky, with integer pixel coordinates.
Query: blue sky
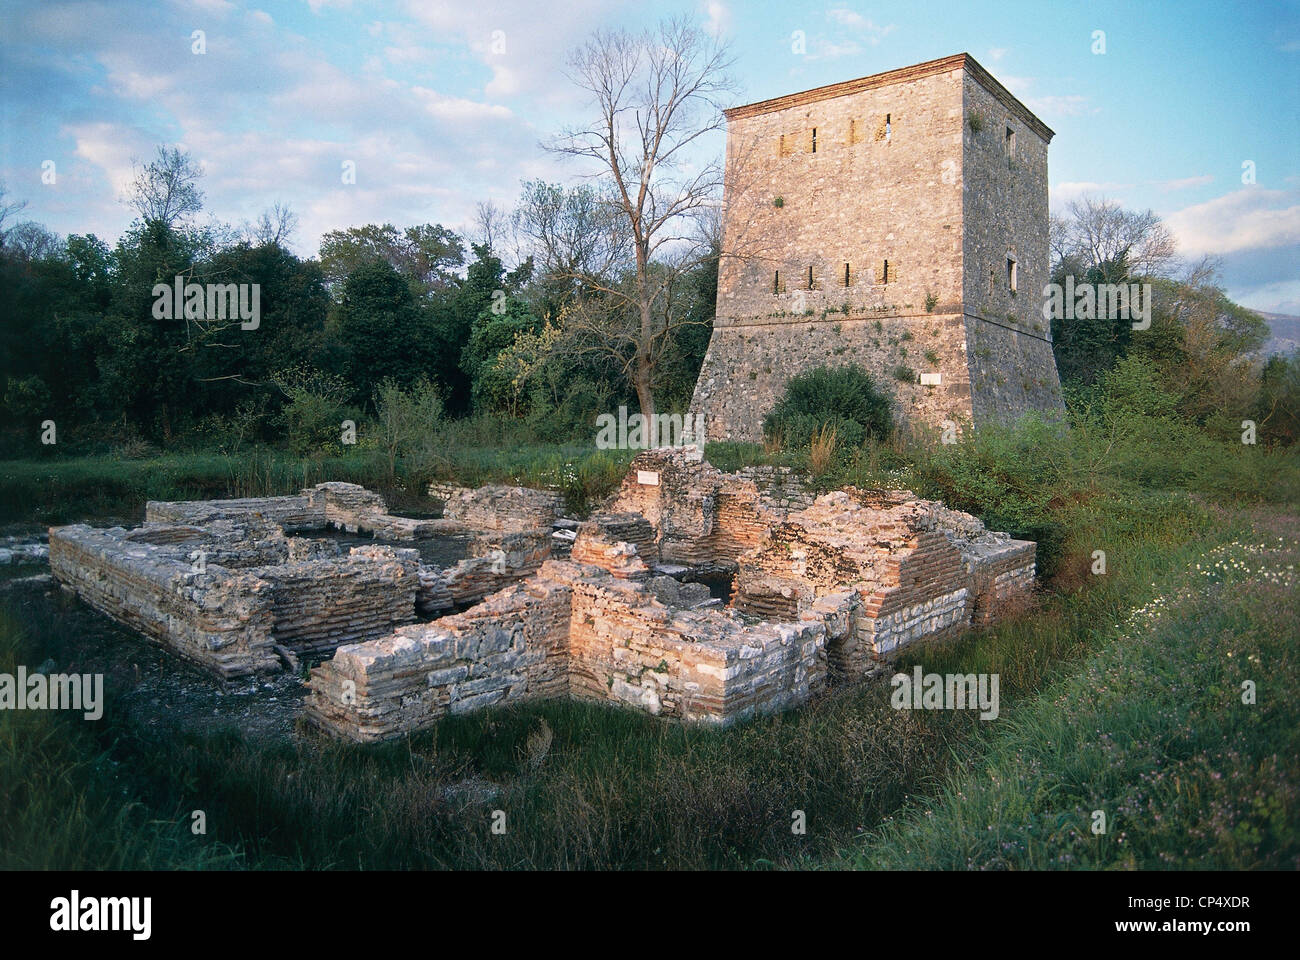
(443, 105)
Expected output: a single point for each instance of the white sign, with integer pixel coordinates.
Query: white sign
(647, 478)
(930, 379)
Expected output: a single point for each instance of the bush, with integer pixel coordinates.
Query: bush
(843, 398)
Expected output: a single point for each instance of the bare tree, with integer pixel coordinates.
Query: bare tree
(490, 224)
(8, 208)
(273, 226)
(656, 93)
(166, 189)
(1098, 231)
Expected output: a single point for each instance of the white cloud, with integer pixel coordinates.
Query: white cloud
(1056, 105)
(1247, 219)
(997, 53)
(718, 16)
(855, 21)
(1067, 105)
(1186, 182)
(1063, 193)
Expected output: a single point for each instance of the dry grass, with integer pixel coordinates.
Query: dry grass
(821, 451)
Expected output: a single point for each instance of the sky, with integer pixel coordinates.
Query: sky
(439, 106)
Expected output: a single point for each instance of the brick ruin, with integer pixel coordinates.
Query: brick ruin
(691, 593)
(240, 587)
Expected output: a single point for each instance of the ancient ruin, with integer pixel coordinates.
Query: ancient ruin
(898, 221)
(692, 593)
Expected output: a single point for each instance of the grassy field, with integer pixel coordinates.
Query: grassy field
(66, 490)
(1119, 692)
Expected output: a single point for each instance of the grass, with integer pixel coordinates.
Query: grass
(59, 490)
(615, 790)
(1153, 730)
(1117, 693)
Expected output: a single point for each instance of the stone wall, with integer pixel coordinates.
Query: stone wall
(299, 511)
(225, 598)
(896, 568)
(571, 630)
(875, 248)
(507, 509)
(511, 647)
(220, 619)
(500, 559)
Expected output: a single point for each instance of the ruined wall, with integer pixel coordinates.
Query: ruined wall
(225, 599)
(291, 512)
(511, 647)
(506, 509)
(221, 620)
(690, 665)
(318, 605)
(571, 630)
(893, 568)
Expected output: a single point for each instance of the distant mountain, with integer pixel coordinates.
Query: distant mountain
(1285, 333)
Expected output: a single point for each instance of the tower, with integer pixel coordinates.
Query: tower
(898, 221)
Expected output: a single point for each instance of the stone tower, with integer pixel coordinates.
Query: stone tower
(898, 221)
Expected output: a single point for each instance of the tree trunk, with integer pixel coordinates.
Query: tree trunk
(642, 369)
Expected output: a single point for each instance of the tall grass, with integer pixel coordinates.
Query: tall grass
(1155, 731)
(616, 789)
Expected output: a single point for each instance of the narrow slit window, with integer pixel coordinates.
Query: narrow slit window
(776, 281)
(847, 275)
(1011, 274)
(811, 279)
(1011, 146)
(992, 282)
(884, 272)
(888, 127)
(814, 140)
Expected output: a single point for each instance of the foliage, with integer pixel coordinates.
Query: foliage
(845, 398)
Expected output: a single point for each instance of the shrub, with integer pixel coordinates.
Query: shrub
(843, 398)
(904, 374)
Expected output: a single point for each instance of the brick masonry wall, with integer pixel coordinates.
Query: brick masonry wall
(296, 511)
(571, 630)
(221, 620)
(513, 646)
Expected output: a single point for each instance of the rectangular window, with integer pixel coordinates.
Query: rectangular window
(776, 282)
(1011, 146)
(1011, 274)
(847, 275)
(888, 127)
(814, 140)
(885, 276)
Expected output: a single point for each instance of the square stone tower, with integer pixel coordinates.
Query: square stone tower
(898, 221)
